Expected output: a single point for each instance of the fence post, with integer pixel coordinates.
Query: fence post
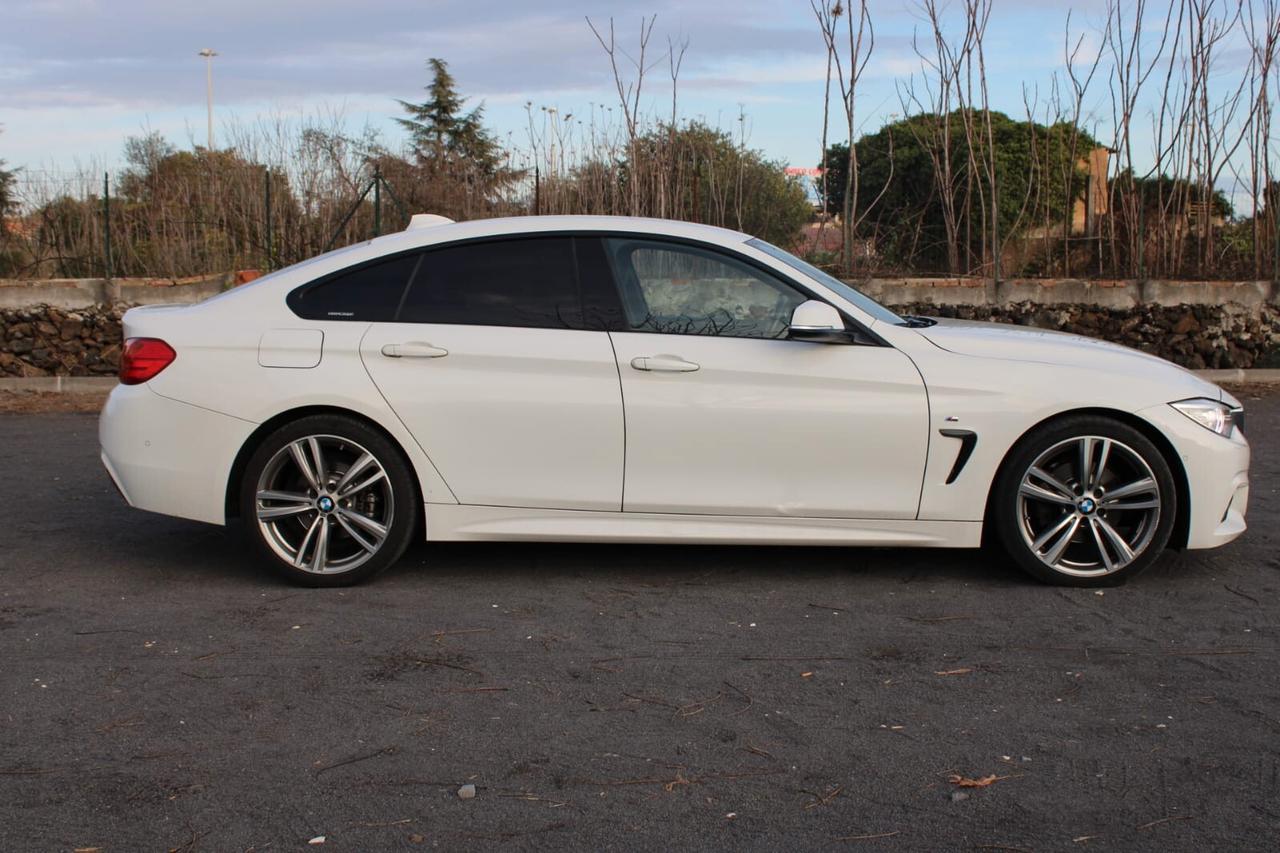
(1142, 237)
(537, 191)
(350, 213)
(395, 199)
(106, 224)
(377, 201)
(267, 195)
(1275, 238)
(997, 247)
(697, 184)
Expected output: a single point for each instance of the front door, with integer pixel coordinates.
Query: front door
(724, 416)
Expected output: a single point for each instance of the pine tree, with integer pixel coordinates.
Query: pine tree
(7, 180)
(10, 260)
(444, 137)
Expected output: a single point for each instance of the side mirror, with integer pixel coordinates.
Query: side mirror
(818, 322)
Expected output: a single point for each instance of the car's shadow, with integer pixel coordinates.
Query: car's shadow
(151, 545)
(176, 550)
(684, 562)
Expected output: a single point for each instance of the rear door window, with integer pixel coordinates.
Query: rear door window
(529, 281)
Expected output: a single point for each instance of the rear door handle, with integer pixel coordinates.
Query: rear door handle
(413, 349)
(668, 363)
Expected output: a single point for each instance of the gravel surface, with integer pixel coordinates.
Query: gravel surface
(161, 692)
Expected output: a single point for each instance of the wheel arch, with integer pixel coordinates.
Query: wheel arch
(1182, 519)
(264, 429)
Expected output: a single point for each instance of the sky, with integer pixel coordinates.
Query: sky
(79, 76)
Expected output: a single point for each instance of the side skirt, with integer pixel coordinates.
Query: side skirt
(461, 523)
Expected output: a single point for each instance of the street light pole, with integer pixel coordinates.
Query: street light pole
(209, 53)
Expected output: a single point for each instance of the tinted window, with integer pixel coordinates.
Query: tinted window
(601, 309)
(370, 292)
(523, 282)
(676, 289)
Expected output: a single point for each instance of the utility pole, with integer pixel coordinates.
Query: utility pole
(209, 53)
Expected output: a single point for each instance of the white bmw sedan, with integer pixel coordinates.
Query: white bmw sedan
(632, 380)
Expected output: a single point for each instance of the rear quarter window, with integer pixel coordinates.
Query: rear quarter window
(370, 292)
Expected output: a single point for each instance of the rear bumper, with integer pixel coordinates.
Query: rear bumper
(169, 457)
(1217, 471)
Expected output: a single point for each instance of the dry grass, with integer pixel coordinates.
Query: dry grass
(40, 402)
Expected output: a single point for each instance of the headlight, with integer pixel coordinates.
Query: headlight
(1210, 414)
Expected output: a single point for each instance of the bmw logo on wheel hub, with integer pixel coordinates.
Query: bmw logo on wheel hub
(1087, 505)
(325, 504)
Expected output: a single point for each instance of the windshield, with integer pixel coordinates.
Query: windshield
(866, 303)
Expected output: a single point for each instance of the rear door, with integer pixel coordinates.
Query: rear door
(725, 416)
(489, 364)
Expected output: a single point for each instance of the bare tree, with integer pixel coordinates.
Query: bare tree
(1080, 72)
(940, 81)
(978, 13)
(1212, 26)
(827, 12)
(674, 176)
(850, 65)
(1263, 24)
(629, 90)
(1129, 72)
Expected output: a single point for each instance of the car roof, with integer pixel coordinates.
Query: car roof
(443, 231)
(516, 225)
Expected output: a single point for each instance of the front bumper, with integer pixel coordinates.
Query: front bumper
(169, 457)
(1217, 472)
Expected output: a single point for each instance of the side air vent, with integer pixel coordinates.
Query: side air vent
(968, 440)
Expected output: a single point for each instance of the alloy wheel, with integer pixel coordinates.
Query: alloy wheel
(1088, 506)
(324, 504)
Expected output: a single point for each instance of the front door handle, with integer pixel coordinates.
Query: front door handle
(669, 363)
(413, 349)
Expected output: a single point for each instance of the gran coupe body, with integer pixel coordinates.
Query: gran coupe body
(614, 379)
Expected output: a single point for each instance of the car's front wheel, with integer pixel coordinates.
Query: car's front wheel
(328, 500)
(1085, 501)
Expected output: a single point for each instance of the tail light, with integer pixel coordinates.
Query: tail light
(143, 359)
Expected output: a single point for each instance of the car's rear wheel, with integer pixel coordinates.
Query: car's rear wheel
(328, 501)
(1085, 501)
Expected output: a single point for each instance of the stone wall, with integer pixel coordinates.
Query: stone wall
(77, 293)
(72, 328)
(46, 341)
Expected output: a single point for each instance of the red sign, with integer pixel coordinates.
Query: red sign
(803, 172)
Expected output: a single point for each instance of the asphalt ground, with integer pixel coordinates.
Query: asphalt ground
(159, 691)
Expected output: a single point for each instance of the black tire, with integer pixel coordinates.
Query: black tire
(1090, 555)
(348, 530)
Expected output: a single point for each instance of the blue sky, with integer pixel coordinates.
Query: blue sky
(78, 76)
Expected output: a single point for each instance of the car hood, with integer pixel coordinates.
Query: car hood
(1030, 344)
(1027, 343)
